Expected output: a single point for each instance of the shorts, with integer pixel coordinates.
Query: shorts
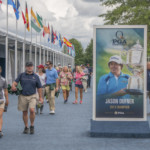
(26, 102)
(2, 106)
(79, 86)
(65, 87)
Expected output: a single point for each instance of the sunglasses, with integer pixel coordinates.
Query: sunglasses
(47, 64)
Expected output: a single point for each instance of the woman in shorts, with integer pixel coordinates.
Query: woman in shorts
(78, 84)
(65, 77)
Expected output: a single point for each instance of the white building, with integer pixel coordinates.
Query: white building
(17, 52)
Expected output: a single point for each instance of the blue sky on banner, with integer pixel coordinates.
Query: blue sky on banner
(70, 18)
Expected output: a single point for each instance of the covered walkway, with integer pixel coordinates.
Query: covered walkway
(17, 51)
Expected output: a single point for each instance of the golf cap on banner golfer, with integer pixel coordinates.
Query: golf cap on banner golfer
(116, 59)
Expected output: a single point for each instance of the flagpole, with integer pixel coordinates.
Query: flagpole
(24, 43)
(6, 45)
(40, 49)
(31, 42)
(35, 52)
(16, 46)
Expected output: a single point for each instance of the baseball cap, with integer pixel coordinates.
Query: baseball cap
(40, 66)
(29, 64)
(115, 58)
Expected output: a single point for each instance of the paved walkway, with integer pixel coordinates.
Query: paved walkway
(66, 130)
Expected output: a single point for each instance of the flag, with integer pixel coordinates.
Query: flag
(43, 33)
(60, 41)
(27, 18)
(35, 18)
(49, 34)
(40, 19)
(17, 3)
(56, 36)
(11, 2)
(67, 42)
(49, 38)
(46, 29)
(52, 38)
(23, 17)
(34, 22)
(0, 1)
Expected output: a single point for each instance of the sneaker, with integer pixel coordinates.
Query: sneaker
(26, 130)
(31, 129)
(80, 102)
(52, 112)
(65, 101)
(75, 102)
(85, 91)
(1, 134)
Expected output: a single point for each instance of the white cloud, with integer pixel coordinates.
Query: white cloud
(72, 18)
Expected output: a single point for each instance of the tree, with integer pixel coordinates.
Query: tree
(128, 12)
(65, 49)
(79, 56)
(88, 56)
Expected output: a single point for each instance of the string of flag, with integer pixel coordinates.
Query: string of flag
(39, 26)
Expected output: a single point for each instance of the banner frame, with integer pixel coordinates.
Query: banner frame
(145, 72)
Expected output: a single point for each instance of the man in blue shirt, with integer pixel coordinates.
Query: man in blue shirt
(51, 85)
(114, 83)
(27, 100)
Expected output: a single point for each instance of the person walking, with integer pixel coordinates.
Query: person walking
(85, 78)
(71, 81)
(51, 85)
(3, 99)
(65, 77)
(27, 100)
(78, 84)
(89, 76)
(42, 77)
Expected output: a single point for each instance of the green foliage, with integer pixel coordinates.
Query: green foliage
(65, 49)
(128, 12)
(88, 56)
(79, 57)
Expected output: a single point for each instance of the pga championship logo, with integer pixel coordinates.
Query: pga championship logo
(119, 39)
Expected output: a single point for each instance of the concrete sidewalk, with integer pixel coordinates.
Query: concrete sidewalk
(68, 129)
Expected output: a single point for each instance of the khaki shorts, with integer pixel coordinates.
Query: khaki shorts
(65, 87)
(26, 102)
(2, 106)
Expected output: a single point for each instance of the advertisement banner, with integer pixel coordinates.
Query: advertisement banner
(119, 73)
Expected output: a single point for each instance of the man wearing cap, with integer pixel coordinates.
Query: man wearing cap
(51, 85)
(27, 100)
(115, 82)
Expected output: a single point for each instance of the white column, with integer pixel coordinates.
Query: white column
(40, 53)
(16, 66)
(35, 59)
(53, 58)
(23, 54)
(47, 54)
(6, 60)
(43, 56)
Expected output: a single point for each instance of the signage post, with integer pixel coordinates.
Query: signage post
(119, 91)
